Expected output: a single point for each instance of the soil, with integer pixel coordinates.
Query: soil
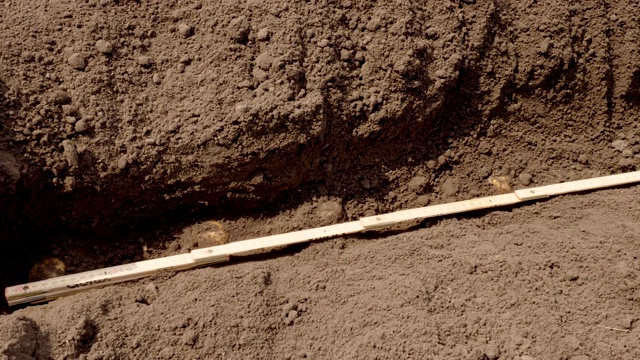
(552, 280)
(127, 127)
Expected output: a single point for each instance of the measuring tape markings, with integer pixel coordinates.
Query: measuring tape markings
(70, 284)
(578, 185)
(235, 248)
(96, 278)
(439, 210)
(68, 281)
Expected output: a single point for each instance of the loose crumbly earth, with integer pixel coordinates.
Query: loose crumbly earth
(126, 126)
(553, 280)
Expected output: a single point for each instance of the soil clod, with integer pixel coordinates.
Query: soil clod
(185, 30)
(77, 61)
(104, 47)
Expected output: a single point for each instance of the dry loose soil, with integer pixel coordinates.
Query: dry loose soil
(126, 126)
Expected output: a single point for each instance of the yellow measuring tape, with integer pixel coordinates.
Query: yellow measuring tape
(50, 289)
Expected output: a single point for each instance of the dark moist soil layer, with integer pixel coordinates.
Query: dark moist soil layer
(125, 125)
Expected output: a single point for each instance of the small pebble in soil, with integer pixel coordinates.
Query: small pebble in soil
(104, 47)
(441, 73)
(245, 84)
(239, 29)
(151, 287)
(260, 74)
(625, 322)
(122, 162)
(157, 79)
(136, 43)
(373, 24)
(166, 353)
(189, 337)
(583, 159)
(525, 179)
(289, 306)
(484, 147)
(242, 108)
(264, 34)
(214, 233)
(185, 59)
(330, 212)
(81, 126)
(145, 61)
(422, 200)
(70, 153)
(61, 98)
(432, 32)
(492, 352)
(417, 183)
(346, 55)
(625, 162)
(69, 183)
(619, 144)
(69, 110)
(544, 46)
(263, 61)
(291, 316)
(27, 57)
(76, 60)
(185, 30)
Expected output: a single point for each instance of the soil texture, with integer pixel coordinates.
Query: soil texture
(552, 280)
(128, 128)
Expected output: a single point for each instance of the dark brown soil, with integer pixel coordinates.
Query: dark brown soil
(125, 126)
(546, 281)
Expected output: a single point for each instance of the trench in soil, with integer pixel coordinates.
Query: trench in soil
(295, 209)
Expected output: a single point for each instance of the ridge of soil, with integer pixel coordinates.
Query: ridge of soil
(230, 105)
